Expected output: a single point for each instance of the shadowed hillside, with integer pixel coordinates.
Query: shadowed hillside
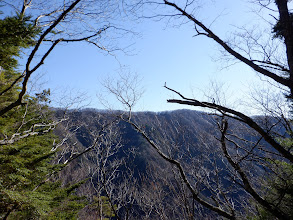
(122, 167)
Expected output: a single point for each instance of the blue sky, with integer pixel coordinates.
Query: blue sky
(160, 54)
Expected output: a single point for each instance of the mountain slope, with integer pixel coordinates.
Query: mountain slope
(124, 168)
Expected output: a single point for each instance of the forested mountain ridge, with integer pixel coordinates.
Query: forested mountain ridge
(124, 169)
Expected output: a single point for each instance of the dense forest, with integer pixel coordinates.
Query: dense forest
(71, 163)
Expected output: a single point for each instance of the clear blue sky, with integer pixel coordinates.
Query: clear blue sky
(161, 54)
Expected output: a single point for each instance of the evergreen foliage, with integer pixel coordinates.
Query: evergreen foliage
(102, 206)
(16, 33)
(279, 190)
(279, 30)
(25, 150)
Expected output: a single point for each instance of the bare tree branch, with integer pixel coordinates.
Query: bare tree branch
(239, 116)
(246, 183)
(195, 194)
(284, 81)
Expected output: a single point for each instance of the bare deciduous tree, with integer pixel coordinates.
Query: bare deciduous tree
(250, 151)
(64, 22)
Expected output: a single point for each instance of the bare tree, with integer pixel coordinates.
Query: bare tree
(64, 22)
(241, 165)
(92, 148)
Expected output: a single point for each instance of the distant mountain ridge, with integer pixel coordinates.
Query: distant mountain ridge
(185, 135)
